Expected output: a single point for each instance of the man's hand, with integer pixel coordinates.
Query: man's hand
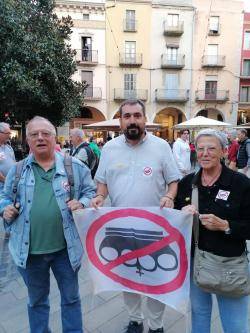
(167, 202)
(97, 202)
(74, 205)
(10, 212)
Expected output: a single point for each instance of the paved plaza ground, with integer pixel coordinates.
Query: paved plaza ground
(104, 313)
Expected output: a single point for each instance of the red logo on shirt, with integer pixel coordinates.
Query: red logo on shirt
(147, 171)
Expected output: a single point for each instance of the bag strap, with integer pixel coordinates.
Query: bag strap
(70, 175)
(195, 201)
(19, 168)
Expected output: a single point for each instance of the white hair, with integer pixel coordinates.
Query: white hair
(38, 118)
(221, 136)
(77, 132)
(4, 126)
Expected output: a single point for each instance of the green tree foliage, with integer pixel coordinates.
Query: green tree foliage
(36, 62)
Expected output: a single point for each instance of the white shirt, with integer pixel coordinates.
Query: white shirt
(181, 151)
(137, 176)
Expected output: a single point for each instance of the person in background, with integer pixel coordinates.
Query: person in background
(224, 226)
(43, 235)
(137, 169)
(82, 150)
(243, 156)
(181, 152)
(193, 157)
(93, 145)
(233, 148)
(7, 156)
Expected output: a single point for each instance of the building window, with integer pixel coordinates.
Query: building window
(214, 25)
(173, 20)
(86, 48)
(246, 68)
(130, 20)
(129, 86)
(172, 55)
(130, 52)
(85, 17)
(87, 77)
(245, 94)
(211, 87)
(212, 54)
(247, 40)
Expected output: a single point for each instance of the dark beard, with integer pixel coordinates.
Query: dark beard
(133, 132)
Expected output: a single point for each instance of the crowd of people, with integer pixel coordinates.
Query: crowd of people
(135, 169)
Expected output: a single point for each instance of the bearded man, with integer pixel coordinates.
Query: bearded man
(137, 169)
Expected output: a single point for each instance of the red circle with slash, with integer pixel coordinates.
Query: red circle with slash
(174, 235)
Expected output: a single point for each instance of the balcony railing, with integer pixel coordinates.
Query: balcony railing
(213, 61)
(130, 59)
(169, 61)
(129, 25)
(122, 94)
(173, 30)
(245, 75)
(92, 94)
(219, 96)
(172, 95)
(86, 57)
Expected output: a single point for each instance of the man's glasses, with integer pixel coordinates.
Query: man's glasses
(44, 134)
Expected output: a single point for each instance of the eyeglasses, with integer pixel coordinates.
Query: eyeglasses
(210, 150)
(44, 134)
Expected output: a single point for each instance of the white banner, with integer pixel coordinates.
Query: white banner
(140, 250)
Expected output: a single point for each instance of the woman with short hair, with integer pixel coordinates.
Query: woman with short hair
(224, 225)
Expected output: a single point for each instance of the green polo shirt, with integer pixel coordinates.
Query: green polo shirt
(46, 228)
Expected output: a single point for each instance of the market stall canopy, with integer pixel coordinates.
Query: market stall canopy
(246, 126)
(201, 122)
(114, 125)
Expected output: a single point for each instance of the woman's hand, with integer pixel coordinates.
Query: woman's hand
(191, 209)
(213, 222)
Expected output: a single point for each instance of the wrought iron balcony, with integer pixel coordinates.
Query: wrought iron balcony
(92, 94)
(173, 30)
(129, 25)
(122, 94)
(86, 57)
(213, 61)
(219, 96)
(130, 59)
(169, 61)
(172, 95)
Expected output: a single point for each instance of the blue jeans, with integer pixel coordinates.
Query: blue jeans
(233, 311)
(37, 279)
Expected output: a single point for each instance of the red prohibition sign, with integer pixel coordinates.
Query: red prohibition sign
(106, 269)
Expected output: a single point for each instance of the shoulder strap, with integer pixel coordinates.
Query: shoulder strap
(69, 171)
(19, 168)
(195, 201)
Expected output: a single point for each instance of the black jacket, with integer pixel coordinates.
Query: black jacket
(242, 155)
(236, 210)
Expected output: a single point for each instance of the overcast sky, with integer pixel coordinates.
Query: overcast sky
(247, 5)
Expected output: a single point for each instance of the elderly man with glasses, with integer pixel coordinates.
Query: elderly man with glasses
(43, 235)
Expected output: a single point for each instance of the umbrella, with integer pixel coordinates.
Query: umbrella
(201, 122)
(114, 124)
